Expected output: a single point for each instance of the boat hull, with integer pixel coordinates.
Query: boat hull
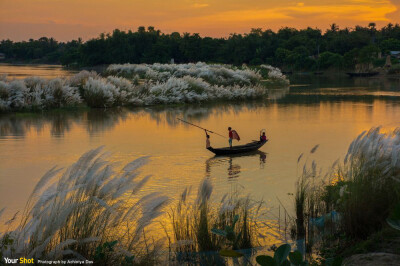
(253, 146)
(362, 74)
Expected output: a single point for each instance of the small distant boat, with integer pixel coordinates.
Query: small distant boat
(287, 72)
(318, 73)
(249, 147)
(362, 74)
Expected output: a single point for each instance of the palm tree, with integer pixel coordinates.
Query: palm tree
(372, 29)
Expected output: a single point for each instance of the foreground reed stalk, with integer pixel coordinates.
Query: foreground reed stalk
(193, 223)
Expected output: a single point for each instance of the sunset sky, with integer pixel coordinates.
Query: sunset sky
(70, 19)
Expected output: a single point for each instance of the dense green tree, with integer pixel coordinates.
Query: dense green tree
(390, 45)
(329, 60)
(288, 48)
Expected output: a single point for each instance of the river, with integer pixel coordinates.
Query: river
(326, 110)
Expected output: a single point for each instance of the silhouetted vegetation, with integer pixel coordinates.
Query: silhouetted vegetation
(288, 48)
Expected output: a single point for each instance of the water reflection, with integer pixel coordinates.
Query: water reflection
(98, 121)
(276, 94)
(61, 122)
(343, 81)
(21, 71)
(232, 163)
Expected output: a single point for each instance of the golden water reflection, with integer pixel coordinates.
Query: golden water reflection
(21, 71)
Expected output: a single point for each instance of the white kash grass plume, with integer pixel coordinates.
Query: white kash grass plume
(1, 211)
(224, 74)
(150, 210)
(275, 73)
(314, 149)
(18, 94)
(299, 158)
(227, 206)
(57, 250)
(125, 92)
(36, 96)
(122, 83)
(45, 179)
(62, 93)
(80, 78)
(4, 105)
(34, 81)
(204, 192)
(74, 210)
(185, 193)
(4, 90)
(99, 93)
(70, 96)
(376, 150)
(36, 92)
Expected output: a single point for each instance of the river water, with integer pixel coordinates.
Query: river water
(329, 111)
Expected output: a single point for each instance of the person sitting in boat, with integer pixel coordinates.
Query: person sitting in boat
(208, 144)
(232, 135)
(263, 137)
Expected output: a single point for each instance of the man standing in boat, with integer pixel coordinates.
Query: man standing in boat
(208, 144)
(232, 135)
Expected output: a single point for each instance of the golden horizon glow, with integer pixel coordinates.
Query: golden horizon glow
(65, 20)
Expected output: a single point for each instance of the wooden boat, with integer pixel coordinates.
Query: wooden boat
(287, 72)
(249, 147)
(362, 74)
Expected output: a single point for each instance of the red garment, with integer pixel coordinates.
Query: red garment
(230, 134)
(263, 138)
(235, 135)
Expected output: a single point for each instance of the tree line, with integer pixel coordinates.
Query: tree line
(288, 48)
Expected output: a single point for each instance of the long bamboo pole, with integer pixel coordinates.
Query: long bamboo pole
(201, 128)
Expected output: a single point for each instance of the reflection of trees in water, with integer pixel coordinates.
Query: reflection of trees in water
(20, 124)
(102, 120)
(60, 123)
(194, 113)
(343, 81)
(386, 84)
(276, 94)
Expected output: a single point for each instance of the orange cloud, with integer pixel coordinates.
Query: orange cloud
(344, 11)
(197, 5)
(66, 19)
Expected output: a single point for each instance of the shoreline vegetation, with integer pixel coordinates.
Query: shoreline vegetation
(141, 85)
(94, 211)
(361, 48)
(344, 211)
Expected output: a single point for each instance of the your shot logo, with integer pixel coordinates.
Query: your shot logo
(18, 261)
